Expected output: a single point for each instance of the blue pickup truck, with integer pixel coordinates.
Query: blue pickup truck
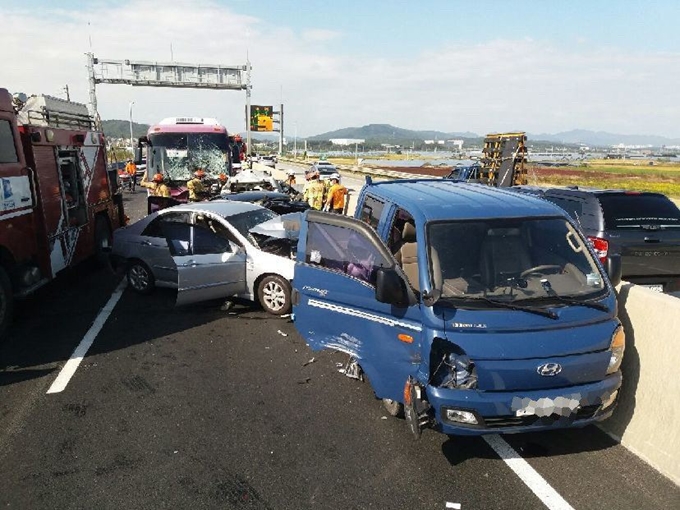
(471, 309)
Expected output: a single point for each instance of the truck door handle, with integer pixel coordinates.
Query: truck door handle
(651, 240)
(190, 263)
(147, 243)
(25, 199)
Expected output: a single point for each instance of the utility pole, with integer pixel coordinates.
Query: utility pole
(132, 147)
(68, 97)
(248, 88)
(281, 130)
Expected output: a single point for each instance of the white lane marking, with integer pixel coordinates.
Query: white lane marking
(548, 496)
(455, 506)
(72, 364)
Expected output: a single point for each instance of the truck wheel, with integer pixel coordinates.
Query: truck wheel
(273, 293)
(140, 277)
(393, 407)
(102, 240)
(6, 302)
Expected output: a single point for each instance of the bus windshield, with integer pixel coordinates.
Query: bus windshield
(178, 155)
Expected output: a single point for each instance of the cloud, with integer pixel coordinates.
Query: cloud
(319, 35)
(485, 86)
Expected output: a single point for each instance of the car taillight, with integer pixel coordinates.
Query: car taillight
(601, 247)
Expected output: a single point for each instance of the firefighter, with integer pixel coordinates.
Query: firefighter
(157, 187)
(290, 180)
(314, 191)
(197, 191)
(131, 170)
(335, 198)
(223, 180)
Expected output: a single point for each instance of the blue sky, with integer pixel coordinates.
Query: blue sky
(454, 66)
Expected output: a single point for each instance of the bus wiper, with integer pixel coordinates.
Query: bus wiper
(570, 301)
(530, 309)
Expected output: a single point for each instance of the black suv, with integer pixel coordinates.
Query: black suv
(643, 228)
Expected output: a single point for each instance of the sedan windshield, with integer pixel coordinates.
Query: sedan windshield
(244, 221)
(511, 260)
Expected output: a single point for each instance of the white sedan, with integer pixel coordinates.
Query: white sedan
(206, 250)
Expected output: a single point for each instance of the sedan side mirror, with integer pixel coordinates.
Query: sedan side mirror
(390, 287)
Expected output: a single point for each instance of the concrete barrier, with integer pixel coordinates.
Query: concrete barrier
(647, 419)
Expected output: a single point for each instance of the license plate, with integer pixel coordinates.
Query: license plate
(563, 406)
(655, 288)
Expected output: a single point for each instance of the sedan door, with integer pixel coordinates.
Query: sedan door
(209, 266)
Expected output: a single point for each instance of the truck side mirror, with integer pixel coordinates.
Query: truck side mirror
(138, 155)
(390, 287)
(613, 267)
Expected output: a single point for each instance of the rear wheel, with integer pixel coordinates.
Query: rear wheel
(140, 277)
(6, 302)
(273, 293)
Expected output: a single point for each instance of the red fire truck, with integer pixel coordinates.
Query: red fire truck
(58, 203)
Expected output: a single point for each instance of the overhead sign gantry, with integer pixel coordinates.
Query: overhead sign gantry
(169, 74)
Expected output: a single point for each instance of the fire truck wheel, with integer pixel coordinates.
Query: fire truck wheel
(102, 240)
(140, 277)
(6, 302)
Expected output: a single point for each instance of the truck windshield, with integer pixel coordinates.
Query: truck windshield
(178, 155)
(511, 260)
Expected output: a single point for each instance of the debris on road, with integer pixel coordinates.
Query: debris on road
(351, 369)
(309, 362)
(306, 380)
(282, 333)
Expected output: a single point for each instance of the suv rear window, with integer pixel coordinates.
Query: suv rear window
(637, 210)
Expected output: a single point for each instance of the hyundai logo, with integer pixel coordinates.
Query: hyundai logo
(549, 369)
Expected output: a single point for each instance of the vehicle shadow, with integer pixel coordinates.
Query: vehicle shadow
(552, 443)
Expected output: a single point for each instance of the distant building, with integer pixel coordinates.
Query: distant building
(433, 142)
(346, 141)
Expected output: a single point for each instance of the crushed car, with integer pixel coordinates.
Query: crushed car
(211, 250)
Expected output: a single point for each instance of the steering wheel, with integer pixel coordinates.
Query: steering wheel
(541, 270)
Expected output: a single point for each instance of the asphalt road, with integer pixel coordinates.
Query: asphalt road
(199, 407)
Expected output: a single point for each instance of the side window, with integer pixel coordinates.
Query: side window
(178, 236)
(343, 250)
(371, 211)
(574, 207)
(155, 228)
(396, 239)
(8, 151)
(208, 242)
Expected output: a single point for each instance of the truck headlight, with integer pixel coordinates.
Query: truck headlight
(616, 349)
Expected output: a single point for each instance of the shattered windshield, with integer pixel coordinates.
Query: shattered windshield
(511, 260)
(178, 155)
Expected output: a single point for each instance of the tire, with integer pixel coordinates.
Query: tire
(393, 408)
(6, 303)
(273, 292)
(102, 241)
(140, 277)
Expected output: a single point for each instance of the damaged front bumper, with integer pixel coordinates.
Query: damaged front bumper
(472, 412)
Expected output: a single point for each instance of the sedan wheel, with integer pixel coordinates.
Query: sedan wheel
(140, 277)
(274, 294)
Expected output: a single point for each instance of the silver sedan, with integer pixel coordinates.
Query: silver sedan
(206, 250)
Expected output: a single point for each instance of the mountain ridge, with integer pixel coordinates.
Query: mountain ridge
(386, 133)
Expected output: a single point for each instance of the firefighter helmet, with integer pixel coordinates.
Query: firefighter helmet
(199, 173)
(158, 178)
